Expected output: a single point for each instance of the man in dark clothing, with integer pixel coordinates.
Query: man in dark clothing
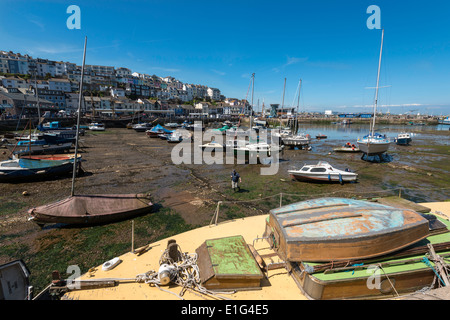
(235, 178)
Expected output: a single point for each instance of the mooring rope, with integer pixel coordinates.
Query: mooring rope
(186, 274)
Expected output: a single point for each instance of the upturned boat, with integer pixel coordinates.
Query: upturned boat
(333, 229)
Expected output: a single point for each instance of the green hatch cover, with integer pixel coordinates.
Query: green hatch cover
(231, 256)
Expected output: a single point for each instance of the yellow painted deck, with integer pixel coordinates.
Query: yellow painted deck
(280, 286)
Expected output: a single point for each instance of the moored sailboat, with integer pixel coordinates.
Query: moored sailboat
(375, 144)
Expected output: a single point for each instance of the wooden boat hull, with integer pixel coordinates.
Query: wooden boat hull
(333, 229)
(356, 287)
(92, 209)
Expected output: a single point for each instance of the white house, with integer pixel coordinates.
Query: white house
(213, 93)
(117, 92)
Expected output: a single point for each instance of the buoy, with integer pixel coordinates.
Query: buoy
(25, 193)
(111, 264)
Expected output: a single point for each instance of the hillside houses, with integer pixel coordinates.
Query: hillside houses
(107, 90)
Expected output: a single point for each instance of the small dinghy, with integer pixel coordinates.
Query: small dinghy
(333, 229)
(347, 148)
(92, 209)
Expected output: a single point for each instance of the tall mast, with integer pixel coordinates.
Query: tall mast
(251, 113)
(282, 102)
(378, 83)
(298, 104)
(78, 121)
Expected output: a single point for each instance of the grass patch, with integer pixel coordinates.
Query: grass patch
(91, 246)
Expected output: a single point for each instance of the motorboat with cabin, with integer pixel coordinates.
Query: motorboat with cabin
(323, 171)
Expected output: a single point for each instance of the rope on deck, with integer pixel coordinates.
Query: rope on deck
(185, 273)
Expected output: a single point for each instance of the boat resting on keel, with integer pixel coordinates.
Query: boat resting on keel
(92, 209)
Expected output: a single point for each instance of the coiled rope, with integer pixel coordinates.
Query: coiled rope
(186, 274)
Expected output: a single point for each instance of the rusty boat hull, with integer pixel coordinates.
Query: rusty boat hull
(333, 229)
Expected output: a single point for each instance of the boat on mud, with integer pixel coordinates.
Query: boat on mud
(403, 139)
(23, 169)
(92, 209)
(323, 171)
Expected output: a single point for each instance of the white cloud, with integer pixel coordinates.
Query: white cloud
(220, 73)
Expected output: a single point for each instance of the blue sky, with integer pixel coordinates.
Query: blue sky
(221, 43)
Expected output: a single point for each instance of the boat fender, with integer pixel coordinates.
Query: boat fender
(329, 177)
(111, 264)
(340, 179)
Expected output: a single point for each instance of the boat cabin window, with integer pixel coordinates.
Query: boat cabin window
(318, 170)
(9, 164)
(305, 168)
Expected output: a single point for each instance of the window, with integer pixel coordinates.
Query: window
(305, 169)
(318, 170)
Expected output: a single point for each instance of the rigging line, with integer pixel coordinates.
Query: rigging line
(328, 193)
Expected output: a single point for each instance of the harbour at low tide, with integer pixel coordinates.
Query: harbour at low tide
(186, 196)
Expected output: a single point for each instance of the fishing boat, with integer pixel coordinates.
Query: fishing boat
(90, 209)
(323, 171)
(403, 139)
(375, 144)
(321, 136)
(334, 229)
(23, 170)
(96, 126)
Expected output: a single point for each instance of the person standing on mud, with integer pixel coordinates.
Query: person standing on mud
(235, 179)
